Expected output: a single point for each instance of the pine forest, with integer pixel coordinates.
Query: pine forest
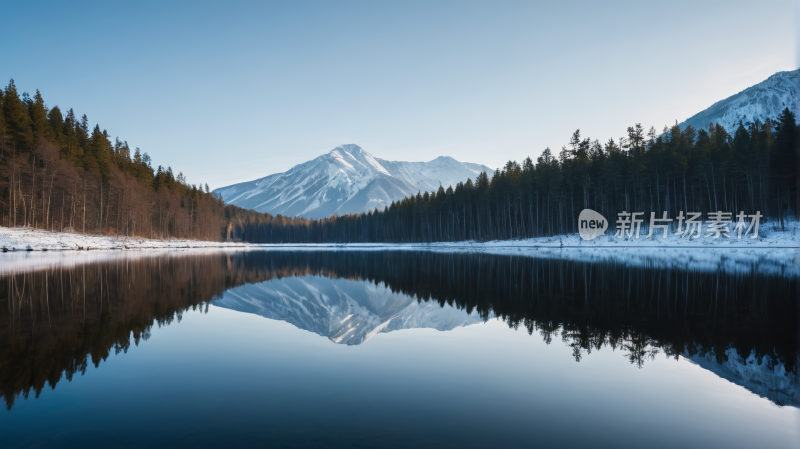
(61, 174)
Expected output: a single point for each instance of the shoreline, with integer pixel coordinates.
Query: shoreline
(773, 252)
(29, 239)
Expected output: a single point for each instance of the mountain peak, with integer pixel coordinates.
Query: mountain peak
(345, 180)
(349, 148)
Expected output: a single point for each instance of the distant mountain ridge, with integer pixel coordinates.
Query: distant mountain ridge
(766, 99)
(346, 180)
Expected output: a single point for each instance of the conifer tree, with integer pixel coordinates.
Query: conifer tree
(785, 160)
(3, 130)
(41, 126)
(56, 121)
(16, 118)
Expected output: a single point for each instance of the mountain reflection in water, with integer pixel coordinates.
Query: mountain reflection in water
(345, 311)
(56, 320)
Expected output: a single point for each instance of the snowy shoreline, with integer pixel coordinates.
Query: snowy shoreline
(28, 239)
(774, 252)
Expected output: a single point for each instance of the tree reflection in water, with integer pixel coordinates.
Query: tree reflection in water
(55, 321)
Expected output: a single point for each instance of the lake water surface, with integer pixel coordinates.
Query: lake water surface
(395, 349)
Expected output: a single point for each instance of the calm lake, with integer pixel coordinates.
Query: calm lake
(393, 349)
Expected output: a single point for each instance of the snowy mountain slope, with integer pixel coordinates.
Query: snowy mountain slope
(346, 180)
(764, 100)
(345, 311)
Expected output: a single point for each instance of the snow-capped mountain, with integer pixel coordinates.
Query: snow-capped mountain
(760, 102)
(347, 312)
(346, 180)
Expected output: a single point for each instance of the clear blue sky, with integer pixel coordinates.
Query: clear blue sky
(232, 91)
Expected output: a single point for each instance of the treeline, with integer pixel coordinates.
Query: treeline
(679, 169)
(59, 173)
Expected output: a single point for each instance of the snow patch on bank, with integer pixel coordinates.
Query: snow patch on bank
(28, 239)
(774, 252)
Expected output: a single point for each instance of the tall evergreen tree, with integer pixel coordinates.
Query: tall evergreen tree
(16, 119)
(41, 126)
(784, 160)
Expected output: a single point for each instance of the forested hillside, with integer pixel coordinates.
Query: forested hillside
(679, 169)
(60, 173)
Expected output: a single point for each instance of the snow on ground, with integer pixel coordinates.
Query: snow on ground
(25, 239)
(774, 251)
